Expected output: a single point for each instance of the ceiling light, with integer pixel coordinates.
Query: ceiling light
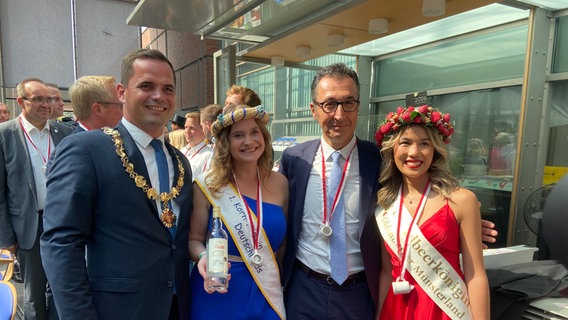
(277, 61)
(335, 40)
(433, 8)
(378, 26)
(303, 51)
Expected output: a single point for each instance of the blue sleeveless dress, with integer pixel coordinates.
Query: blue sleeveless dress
(243, 299)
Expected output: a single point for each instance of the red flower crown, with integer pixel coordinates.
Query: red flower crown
(426, 115)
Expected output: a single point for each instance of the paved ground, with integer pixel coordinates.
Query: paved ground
(20, 290)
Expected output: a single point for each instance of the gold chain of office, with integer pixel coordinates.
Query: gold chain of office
(167, 217)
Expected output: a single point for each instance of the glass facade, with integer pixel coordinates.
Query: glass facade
(477, 79)
(490, 57)
(560, 62)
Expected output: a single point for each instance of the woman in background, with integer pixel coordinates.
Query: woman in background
(177, 139)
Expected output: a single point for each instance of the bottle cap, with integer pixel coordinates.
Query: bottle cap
(216, 212)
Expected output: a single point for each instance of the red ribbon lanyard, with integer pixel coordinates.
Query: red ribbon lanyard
(33, 144)
(323, 183)
(255, 233)
(193, 155)
(84, 125)
(404, 249)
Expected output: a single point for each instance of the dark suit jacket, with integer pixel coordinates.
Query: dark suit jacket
(18, 200)
(78, 129)
(132, 260)
(296, 164)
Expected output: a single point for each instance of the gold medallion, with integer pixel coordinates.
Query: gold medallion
(167, 217)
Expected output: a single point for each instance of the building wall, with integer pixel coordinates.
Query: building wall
(103, 38)
(43, 39)
(192, 59)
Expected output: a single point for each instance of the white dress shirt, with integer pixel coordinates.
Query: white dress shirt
(143, 140)
(39, 145)
(198, 157)
(313, 249)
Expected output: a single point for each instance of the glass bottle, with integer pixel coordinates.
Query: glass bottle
(217, 254)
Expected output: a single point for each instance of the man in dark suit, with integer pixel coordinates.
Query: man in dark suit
(307, 267)
(95, 102)
(26, 144)
(105, 191)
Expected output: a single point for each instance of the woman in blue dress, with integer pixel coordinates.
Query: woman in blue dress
(253, 201)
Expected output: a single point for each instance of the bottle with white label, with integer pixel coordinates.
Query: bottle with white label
(217, 255)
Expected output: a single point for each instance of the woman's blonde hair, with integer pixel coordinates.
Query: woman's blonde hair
(177, 139)
(221, 170)
(391, 178)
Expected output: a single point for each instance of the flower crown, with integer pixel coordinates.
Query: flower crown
(426, 115)
(225, 120)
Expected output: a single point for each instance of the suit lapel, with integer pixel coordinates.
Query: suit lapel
(56, 133)
(301, 174)
(183, 214)
(136, 158)
(368, 169)
(22, 149)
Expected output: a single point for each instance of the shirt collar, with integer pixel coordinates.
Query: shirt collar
(345, 151)
(197, 146)
(29, 127)
(140, 137)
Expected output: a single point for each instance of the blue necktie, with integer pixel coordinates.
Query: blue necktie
(338, 246)
(163, 173)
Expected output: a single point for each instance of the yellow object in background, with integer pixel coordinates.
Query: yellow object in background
(553, 174)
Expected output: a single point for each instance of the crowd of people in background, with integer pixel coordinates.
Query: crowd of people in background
(116, 205)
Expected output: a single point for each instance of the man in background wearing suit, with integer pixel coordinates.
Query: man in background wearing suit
(106, 193)
(58, 107)
(95, 102)
(26, 144)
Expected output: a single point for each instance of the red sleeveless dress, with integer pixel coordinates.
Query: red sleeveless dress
(442, 230)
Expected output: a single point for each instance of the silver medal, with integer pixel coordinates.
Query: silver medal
(325, 231)
(256, 258)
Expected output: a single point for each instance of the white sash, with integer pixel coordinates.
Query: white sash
(426, 265)
(235, 218)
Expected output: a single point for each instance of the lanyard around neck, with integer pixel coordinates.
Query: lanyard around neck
(193, 155)
(326, 210)
(44, 159)
(255, 233)
(403, 251)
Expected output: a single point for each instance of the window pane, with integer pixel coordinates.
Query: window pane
(560, 63)
(490, 57)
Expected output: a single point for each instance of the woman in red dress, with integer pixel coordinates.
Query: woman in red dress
(426, 221)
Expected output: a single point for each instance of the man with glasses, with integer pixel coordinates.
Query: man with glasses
(95, 102)
(307, 266)
(331, 268)
(26, 144)
(59, 105)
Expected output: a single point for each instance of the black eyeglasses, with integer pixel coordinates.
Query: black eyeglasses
(331, 106)
(119, 104)
(40, 100)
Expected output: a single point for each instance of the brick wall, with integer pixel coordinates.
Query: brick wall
(192, 59)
